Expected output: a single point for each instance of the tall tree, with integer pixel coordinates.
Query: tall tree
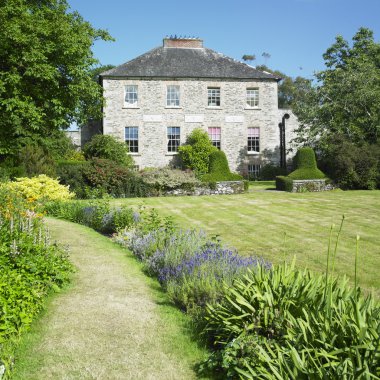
(266, 56)
(289, 89)
(45, 70)
(346, 97)
(248, 57)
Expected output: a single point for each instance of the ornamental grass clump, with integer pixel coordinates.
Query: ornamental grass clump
(287, 323)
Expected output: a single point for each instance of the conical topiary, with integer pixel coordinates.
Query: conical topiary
(306, 165)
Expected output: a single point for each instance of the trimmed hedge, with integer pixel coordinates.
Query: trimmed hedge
(307, 173)
(219, 170)
(306, 165)
(284, 183)
(269, 172)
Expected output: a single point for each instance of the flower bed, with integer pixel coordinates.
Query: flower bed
(30, 268)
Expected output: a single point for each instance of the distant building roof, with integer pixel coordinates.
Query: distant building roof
(186, 58)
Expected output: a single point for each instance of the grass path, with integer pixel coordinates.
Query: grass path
(112, 323)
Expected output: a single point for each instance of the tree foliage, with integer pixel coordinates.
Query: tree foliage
(196, 152)
(346, 97)
(45, 70)
(289, 90)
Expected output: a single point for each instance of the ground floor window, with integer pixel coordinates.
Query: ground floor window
(253, 171)
(254, 139)
(132, 139)
(214, 134)
(173, 139)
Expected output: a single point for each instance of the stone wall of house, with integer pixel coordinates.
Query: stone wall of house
(152, 117)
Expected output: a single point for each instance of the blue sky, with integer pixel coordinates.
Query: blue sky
(294, 32)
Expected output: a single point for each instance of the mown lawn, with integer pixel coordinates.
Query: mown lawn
(273, 224)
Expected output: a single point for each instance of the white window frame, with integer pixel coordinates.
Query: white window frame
(215, 137)
(173, 96)
(252, 97)
(253, 140)
(131, 95)
(132, 139)
(173, 139)
(213, 96)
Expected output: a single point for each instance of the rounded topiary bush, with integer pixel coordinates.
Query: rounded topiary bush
(218, 163)
(306, 165)
(219, 169)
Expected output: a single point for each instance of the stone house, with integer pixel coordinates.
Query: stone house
(154, 101)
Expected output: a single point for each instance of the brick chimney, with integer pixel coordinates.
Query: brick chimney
(182, 42)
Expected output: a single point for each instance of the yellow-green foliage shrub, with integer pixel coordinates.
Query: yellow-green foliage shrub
(39, 188)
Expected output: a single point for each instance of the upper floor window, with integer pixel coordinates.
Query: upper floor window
(132, 139)
(252, 97)
(173, 139)
(213, 96)
(254, 139)
(130, 95)
(172, 96)
(214, 134)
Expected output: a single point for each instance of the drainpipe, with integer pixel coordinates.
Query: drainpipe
(282, 141)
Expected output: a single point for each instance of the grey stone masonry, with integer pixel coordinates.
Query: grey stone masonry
(312, 185)
(208, 90)
(221, 188)
(152, 117)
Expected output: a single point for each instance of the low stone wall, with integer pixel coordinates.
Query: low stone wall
(311, 185)
(221, 188)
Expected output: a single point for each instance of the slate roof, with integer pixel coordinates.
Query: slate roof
(167, 62)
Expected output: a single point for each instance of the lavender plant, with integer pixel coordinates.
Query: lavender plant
(196, 281)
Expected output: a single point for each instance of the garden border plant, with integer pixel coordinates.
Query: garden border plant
(258, 326)
(30, 267)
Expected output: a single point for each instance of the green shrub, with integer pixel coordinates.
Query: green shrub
(114, 179)
(195, 153)
(72, 174)
(350, 165)
(214, 177)
(295, 324)
(306, 165)
(284, 183)
(219, 169)
(30, 268)
(163, 179)
(41, 188)
(307, 173)
(109, 148)
(36, 160)
(305, 158)
(96, 214)
(269, 172)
